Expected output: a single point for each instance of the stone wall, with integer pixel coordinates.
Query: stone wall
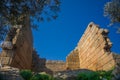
(73, 62)
(93, 50)
(21, 54)
(54, 65)
(39, 64)
(48, 66)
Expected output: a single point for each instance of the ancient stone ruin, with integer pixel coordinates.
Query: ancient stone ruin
(48, 66)
(55, 65)
(92, 51)
(20, 55)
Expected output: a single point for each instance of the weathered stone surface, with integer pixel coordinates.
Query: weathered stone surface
(93, 51)
(20, 55)
(73, 62)
(10, 73)
(39, 64)
(23, 52)
(54, 65)
(48, 66)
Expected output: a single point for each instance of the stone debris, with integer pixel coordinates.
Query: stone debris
(10, 73)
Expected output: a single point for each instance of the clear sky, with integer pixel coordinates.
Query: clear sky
(54, 40)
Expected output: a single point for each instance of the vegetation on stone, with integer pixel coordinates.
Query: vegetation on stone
(98, 75)
(28, 75)
(15, 12)
(42, 77)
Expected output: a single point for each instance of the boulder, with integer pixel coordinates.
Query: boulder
(10, 73)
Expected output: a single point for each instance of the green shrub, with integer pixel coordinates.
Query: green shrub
(26, 74)
(42, 77)
(88, 76)
(105, 74)
(98, 75)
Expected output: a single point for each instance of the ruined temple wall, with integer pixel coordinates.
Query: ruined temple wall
(20, 55)
(73, 61)
(48, 66)
(54, 65)
(94, 49)
(94, 52)
(24, 47)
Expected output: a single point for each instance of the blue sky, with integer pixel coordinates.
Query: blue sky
(54, 40)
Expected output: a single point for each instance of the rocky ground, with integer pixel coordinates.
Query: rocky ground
(10, 73)
(68, 74)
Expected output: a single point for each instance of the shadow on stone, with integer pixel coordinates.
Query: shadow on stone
(116, 71)
(39, 64)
